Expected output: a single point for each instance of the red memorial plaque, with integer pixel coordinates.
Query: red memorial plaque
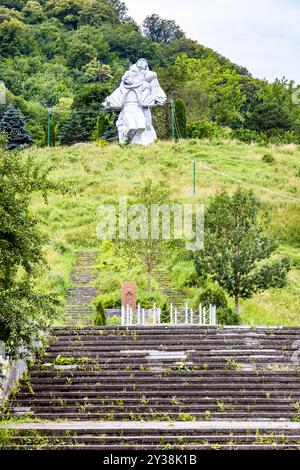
(129, 295)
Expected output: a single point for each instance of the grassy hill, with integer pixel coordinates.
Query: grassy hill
(102, 173)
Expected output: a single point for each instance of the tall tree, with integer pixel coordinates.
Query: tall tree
(236, 252)
(12, 32)
(159, 30)
(67, 11)
(13, 125)
(267, 116)
(148, 250)
(33, 12)
(24, 309)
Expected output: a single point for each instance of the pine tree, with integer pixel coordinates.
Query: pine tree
(99, 317)
(13, 125)
(165, 316)
(73, 131)
(180, 115)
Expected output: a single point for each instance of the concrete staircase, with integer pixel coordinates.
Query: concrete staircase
(162, 387)
(151, 437)
(173, 295)
(82, 292)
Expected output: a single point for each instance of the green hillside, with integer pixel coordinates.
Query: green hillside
(101, 173)
(68, 55)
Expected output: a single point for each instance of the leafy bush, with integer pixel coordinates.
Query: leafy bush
(112, 300)
(213, 295)
(249, 136)
(226, 316)
(279, 137)
(268, 158)
(203, 129)
(99, 317)
(147, 299)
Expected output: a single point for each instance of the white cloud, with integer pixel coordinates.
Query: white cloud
(262, 35)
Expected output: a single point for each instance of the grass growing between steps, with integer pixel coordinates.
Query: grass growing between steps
(100, 174)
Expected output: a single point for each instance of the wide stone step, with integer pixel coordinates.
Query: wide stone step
(154, 440)
(133, 397)
(164, 416)
(149, 447)
(176, 402)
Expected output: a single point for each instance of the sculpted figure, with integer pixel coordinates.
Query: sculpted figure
(138, 92)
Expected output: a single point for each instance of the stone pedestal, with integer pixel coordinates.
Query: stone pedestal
(129, 295)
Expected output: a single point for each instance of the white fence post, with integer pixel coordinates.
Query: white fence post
(186, 314)
(204, 315)
(139, 314)
(144, 317)
(171, 312)
(131, 316)
(214, 315)
(192, 316)
(176, 316)
(200, 314)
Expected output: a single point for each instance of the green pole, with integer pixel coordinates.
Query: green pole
(49, 128)
(173, 121)
(194, 177)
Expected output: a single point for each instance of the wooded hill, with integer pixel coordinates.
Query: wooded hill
(69, 54)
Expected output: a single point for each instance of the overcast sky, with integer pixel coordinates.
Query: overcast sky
(262, 35)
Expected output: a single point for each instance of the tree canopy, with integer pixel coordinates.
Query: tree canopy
(237, 253)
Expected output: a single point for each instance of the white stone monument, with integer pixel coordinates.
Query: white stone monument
(137, 93)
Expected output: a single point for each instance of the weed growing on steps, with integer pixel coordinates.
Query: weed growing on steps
(186, 417)
(144, 401)
(215, 446)
(221, 406)
(231, 364)
(63, 361)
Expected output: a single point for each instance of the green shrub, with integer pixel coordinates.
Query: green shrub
(112, 300)
(202, 129)
(249, 136)
(99, 317)
(165, 313)
(226, 316)
(147, 299)
(268, 158)
(213, 295)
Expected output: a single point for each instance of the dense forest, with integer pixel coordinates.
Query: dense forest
(67, 55)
